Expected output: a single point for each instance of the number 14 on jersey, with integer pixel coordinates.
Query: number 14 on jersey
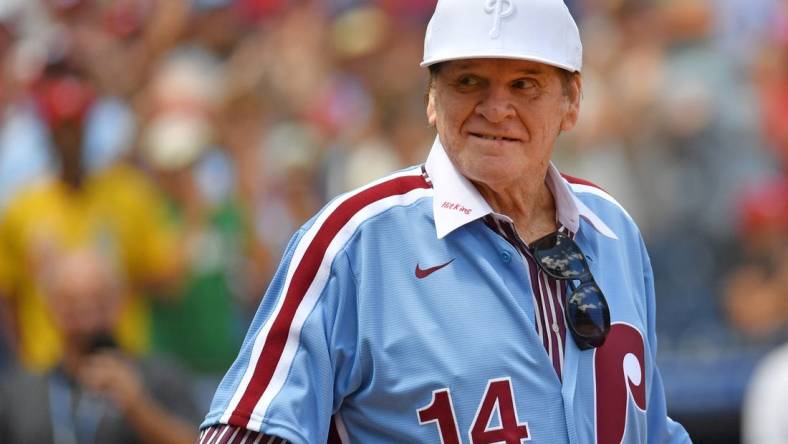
(498, 398)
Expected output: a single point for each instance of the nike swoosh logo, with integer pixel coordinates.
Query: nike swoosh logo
(421, 274)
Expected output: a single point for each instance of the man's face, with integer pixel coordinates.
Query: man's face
(81, 297)
(498, 119)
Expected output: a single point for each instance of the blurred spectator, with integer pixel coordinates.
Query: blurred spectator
(96, 393)
(213, 288)
(115, 210)
(198, 322)
(756, 293)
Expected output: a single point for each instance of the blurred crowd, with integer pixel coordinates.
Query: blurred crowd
(182, 142)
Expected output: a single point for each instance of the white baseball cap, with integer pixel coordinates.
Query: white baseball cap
(538, 30)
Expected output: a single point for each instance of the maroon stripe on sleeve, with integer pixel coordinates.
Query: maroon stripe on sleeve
(302, 279)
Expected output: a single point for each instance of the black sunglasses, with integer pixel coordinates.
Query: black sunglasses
(585, 307)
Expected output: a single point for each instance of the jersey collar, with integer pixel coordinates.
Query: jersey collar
(457, 202)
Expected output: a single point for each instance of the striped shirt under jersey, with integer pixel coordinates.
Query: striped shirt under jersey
(228, 434)
(548, 293)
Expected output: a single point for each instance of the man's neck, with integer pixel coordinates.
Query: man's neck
(530, 204)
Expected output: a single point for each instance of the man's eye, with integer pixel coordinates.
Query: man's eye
(524, 84)
(468, 81)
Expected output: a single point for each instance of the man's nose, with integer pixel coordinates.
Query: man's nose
(496, 106)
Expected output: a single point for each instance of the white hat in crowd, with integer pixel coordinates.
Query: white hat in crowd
(538, 30)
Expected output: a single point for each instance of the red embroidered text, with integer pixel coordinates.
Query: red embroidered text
(455, 206)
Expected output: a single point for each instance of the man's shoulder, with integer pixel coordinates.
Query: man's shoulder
(604, 206)
(401, 189)
(596, 197)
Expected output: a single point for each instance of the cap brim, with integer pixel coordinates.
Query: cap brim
(427, 63)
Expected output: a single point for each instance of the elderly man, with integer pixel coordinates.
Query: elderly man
(481, 297)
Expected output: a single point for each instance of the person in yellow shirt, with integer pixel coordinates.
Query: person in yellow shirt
(117, 211)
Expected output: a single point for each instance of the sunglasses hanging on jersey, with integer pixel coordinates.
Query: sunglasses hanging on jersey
(586, 309)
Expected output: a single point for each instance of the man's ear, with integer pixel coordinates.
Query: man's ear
(431, 111)
(573, 103)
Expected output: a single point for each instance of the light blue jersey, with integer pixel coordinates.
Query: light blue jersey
(398, 316)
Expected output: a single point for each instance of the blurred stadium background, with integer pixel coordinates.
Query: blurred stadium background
(207, 131)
